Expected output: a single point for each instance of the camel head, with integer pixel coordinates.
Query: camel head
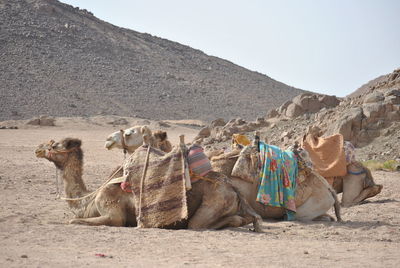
(59, 152)
(133, 138)
(161, 141)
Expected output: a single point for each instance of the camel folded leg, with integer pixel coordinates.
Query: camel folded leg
(102, 220)
(232, 221)
(315, 206)
(367, 193)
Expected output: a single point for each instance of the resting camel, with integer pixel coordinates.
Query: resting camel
(110, 206)
(132, 138)
(358, 184)
(314, 196)
(210, 205)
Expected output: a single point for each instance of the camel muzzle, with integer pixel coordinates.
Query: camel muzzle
(109, 145)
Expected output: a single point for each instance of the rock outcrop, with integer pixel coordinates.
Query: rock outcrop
(306, 103)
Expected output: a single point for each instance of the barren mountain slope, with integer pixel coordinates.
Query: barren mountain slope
(61, 61)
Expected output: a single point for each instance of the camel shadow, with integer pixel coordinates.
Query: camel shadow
(351, 224)
(380, 201)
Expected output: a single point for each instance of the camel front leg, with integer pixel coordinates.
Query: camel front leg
(237, 221)
(96, 221)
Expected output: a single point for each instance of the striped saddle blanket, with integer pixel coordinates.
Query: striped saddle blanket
(163, 200)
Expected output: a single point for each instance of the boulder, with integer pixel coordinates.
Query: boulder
(283, 107)
(42, 121)
(393, 92)
(204, 132)
(329, 101)
(294, 110)
(374, 110)
(260, 122)
(47, 121)
(240, 121)
(218, 123)
(272, 113)
(347, 124)
(119, 121)
(374, 97)
(163, 124)
(311, 104)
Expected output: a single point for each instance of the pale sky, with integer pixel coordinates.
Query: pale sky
(325, 46)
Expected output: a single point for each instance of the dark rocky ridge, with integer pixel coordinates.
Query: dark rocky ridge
(62, 61)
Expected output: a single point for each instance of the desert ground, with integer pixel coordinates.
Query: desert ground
(34, 229)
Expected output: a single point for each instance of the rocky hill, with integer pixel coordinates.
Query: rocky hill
(371, 121)
(381, 82)
(62, 61)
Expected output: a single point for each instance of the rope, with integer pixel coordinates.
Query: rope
(198, 177)
(139, 223)
(57, 186)
(356, 173)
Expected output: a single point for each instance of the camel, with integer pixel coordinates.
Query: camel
(314, 196)
(358, 184)
(210, 205)
(109, 206)
(132, 138)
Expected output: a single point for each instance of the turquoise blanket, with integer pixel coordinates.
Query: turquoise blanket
(278, 179)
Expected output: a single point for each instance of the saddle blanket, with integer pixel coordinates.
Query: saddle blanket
(278, 176)
(164, 194)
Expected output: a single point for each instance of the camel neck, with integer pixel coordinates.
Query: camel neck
(72, 176)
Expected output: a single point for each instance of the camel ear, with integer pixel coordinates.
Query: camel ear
(71, 143)
(145, 130)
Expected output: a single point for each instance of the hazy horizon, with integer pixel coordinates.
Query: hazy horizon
(330, 47)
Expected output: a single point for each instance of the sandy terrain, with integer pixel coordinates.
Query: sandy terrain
(34, 230)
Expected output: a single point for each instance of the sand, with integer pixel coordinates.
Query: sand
(34, 229)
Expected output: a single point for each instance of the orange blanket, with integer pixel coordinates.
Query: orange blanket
(327, 154)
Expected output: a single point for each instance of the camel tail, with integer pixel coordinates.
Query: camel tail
(336, 205)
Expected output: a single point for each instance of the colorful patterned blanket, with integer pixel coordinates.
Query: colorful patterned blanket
(278, 179)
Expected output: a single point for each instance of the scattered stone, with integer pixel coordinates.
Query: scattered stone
(119, 121)
(218, 123)
(42, 121)
(164, 124)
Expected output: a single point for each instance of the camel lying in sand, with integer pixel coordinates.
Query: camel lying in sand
(358, 184)
(132, 138)
(210, 206)
(109, 206)
(314, 196)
